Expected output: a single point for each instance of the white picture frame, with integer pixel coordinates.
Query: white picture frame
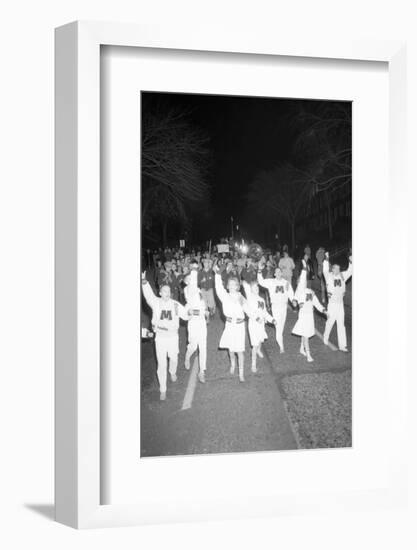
(77, 242)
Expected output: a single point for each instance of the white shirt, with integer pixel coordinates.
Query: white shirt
(336, 284)
(234, 305)
(195, 302)
(166, 314)
(280, 290)
(257, 305)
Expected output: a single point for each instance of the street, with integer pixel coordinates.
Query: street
(288, 404)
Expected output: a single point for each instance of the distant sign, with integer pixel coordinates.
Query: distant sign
(222, 248)
(182, 243)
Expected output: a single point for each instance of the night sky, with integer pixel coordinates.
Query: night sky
(247, 135)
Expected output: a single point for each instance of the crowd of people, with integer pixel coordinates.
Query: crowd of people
(257, 288)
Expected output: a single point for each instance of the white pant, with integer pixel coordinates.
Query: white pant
(336, 314)
(197, 338)
(279, 313)
(166, 347)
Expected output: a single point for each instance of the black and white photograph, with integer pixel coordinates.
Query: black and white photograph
(208, 225)
(246, 274)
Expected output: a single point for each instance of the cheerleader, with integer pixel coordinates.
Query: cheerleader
(256, 324)
(234, 309)
(166, 314)
(280, 291)
(336, 288)
(307, 301)
(197, 324)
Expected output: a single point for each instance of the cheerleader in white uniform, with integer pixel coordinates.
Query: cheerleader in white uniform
(259, 317)
(280, 291)
(197, 325)
(234, 309)
(336, 288)
(307, 301)
(166, 314)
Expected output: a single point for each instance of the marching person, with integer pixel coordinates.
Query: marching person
(256, 324)
(234, 309)
(197, 325)
(206, 285)
(280, 291)
(166, 314)
(307, 301)
(336, 288)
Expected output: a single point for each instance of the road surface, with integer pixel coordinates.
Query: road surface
(287, 404)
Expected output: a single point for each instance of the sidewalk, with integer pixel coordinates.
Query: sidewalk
(318, 395)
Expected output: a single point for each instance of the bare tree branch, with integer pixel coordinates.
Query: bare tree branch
(174, 162)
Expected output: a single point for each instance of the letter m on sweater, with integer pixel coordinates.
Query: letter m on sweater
(166, 314)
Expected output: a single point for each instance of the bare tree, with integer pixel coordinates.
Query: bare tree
(174, 165)
(323, 148)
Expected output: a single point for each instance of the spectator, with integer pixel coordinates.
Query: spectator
(206, 284)
(287, 266)
(320, 255)
(168, 276)
(269, 270)
(249, 273)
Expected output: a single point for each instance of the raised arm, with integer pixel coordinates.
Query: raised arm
(263, 282)
(303, 274)
(182, 312)
(302, 283)
(148, 293)
(348, 273)
(218, 285)
(326, 266)
(193, 284)
(290, 291)
(192, 291)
